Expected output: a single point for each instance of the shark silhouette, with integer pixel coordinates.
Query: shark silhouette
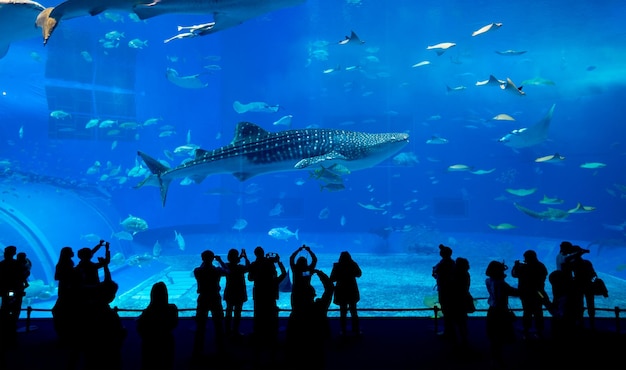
(529, 136)
(17, 21)
(226, 13)
(551, 214)
(255, 151)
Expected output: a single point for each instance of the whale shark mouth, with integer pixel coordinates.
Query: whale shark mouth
(255, 151)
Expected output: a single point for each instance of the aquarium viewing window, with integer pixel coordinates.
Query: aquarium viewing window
(383, 129)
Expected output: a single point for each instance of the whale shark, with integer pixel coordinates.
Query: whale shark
(226, 13)
(529, 136)
(255, 151)
(17, 22)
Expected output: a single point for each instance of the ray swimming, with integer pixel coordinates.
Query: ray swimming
(255, 151)
(529, 136)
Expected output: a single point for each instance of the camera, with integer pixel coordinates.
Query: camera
(11, 293)
(272, 257)
(306, 273)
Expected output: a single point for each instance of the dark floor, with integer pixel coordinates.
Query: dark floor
(386, 343)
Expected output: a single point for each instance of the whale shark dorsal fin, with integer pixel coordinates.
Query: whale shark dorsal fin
(201, 153)
(247, 129)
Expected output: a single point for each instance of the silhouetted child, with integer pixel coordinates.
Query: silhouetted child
(235, 293)
(155, 326)
(301, 290)
(344, 274)
(209, 300)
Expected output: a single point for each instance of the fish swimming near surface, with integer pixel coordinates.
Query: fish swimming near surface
(529, 136)
(226, 13)
(17, 22)
(255, 151)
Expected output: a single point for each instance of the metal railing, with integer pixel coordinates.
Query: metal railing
(436, 311)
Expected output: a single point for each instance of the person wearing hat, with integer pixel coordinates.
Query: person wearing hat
(531, 275)
(500, 318)
(443, 272)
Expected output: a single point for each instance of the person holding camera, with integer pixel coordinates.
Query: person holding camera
(209, 300)
(87, 270)
(344, 274)
(531, 275)
(265, 293)
(235, 293)
(302, 291)
(308, 329)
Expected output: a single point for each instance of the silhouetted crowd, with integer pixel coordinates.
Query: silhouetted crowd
(574, 284)
(93, 331)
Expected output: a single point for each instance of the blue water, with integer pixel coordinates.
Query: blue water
(280, 58)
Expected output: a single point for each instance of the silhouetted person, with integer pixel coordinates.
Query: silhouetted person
(25, 267)
(499, 320)
(64, 310)
(235, 293)
(566, 249)
(531, 275)
(103, 331)
(12, 292)
(209, 300)
(87, 270)
(155, 326)
(308, 329)
(344, 274)
(463, 298)
(583, 276)
(265, 293)
(301, 289)
(443, 272)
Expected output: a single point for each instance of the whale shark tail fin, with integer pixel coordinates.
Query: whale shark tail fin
(157, 168)
(46, 23)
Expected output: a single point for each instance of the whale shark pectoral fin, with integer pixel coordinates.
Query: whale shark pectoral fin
(47, 23)
(97, 10)
(306, 162)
